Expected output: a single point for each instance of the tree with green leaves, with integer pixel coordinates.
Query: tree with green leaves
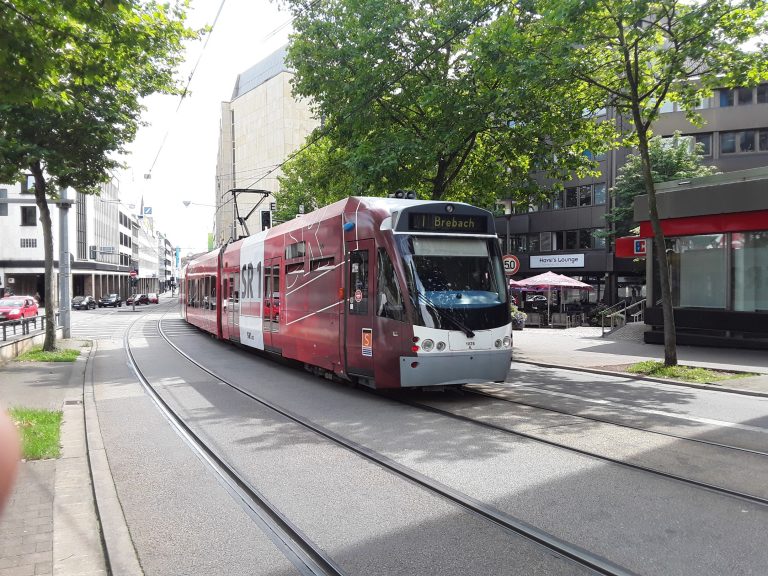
(643, 53)
(416, 96)
(675, 158)
(75, 100)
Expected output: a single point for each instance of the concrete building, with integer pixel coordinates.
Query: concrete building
(716, 230)
(103, 244)
(260, 127)
(559, 234)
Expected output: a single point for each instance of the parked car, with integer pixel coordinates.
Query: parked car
(17, 307)
(83, 303)
(152, 298)
(137, 299)
(536, 302)
(112, 300)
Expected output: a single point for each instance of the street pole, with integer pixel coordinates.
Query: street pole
(64, 269)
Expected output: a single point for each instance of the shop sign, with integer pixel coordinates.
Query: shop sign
(558, 261)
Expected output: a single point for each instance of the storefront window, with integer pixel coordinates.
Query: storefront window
(749, 270)
(697, 269)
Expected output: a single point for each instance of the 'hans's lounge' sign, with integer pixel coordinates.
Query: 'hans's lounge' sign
(558, 261)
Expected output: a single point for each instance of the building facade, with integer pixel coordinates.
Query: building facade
(103, 243)
(260, 127)
(559, 234)
(716, 231)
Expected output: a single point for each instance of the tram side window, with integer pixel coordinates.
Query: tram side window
(389, 300)
(212, 297)
(358, 282)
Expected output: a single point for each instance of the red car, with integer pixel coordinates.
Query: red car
(17, 307)
(152, 297)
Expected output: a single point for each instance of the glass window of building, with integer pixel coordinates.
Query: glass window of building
(533, 243)
(3, 207)
(545, 241)
(599, 193)
(29, 215)
(727, 142)
(585, 195)
(557, 200)
(762, 94)
(726, 97)
(745, 95)
(585, 239)
(747, 141)
(571, 239)
(749, 271)
(762, 138)
(599, 241)
(706, 143)
(571, 197)
(697, 270)
(558, 240)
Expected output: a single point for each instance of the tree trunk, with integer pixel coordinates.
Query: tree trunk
(45, 219)
(670, 337)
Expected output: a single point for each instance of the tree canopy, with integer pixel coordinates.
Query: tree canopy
(641, 54)
(429, 96)
(72, 76)
(674, 158)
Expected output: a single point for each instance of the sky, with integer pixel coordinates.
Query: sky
(178, 149)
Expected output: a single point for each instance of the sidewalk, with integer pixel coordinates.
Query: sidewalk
(52, 526)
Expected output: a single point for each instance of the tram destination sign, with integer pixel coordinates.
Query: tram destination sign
(461, 223)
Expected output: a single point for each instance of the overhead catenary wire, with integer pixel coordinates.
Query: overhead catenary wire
(189, 81)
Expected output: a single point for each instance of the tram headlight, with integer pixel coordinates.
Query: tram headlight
(440, 346)
(427, 345)
(497, 343)
(507, 341)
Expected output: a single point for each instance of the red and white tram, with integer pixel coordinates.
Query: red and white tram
(386, 292)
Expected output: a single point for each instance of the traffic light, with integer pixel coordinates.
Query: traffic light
(266, 220)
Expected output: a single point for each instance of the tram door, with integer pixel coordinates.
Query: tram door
(359, 308)
(233, 307)
(271, 313)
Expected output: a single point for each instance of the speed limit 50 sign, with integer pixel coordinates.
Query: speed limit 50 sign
(511, 264)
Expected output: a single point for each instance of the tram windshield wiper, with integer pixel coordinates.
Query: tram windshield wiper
(443, 314)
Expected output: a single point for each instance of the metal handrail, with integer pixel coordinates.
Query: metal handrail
(622, 308)
(24, 325)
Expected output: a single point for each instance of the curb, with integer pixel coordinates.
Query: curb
(711, 387)
(119, 552)
(77, 547)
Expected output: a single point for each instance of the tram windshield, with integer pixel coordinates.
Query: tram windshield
(455, 282)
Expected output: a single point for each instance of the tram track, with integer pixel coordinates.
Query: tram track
(299, 549)
(551, 543)
(471, 390)
(589, 453)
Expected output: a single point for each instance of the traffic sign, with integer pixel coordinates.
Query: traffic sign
(133, 273)
(511, 264)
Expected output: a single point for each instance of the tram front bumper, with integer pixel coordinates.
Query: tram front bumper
(472, 367)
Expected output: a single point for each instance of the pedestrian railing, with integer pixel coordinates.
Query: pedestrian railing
(24, 326)
(617, 315)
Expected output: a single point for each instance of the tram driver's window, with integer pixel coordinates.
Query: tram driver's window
(389, 300)
(358, 282)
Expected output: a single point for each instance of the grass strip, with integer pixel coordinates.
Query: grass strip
(37, 354)
(685, 373)
(39, 431)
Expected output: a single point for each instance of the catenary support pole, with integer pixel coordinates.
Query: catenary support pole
(64, 268)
